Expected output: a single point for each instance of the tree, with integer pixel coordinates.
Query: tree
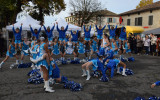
(144, 3)
(10, 8)
(84, 10)
(46, 7)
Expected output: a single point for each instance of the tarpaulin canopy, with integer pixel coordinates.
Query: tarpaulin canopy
(134, 29)
(26, 21)
(62, 22)
(154, 31)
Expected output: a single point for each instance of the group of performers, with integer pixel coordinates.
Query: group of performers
(44, 46)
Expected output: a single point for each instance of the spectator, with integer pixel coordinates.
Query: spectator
(131, 42)
(135, 44)
(147, 44)
(158, 46)
(153, 44)
(139, 44)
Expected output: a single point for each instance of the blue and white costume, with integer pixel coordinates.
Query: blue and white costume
(87, 33)
(94, 63)
(157, 83)
(69, 49)
(112, 32)
(127, 48)
(40, 54)
(34, 50)
(100, 32)
(32, 43)
(35, 34)
(94, 46)
(74, 37)
(62, 33)
(55, 49)
(49, 33)
(113, 48)
(25, 47)
(122, 36)
(109, 54)
(12, 51)
(54, 72)
(117, 43)
(81, 48)
(17, 35)
(112, 64)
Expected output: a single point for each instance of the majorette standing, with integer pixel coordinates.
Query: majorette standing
(70, 49)
(99, 34)
(35, 32)
(94, 46)
(62, 33)
(55, 47)
(43, 61)
(49, 32)
(87, 40)
(10, 53)
(17, 35)
(112, 32)
(25, 46)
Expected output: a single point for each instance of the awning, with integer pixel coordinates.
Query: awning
(154, 31)
(134, 29)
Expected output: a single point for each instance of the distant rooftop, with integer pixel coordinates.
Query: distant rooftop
(149, 7)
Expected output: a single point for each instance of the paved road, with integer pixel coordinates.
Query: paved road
(14, 86)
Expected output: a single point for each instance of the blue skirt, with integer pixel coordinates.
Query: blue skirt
(115, 52)
(116, 61)
(81, 51)
(34, 56)
(87, 39)
(99, 37)
(55, 52)
(128, 50)
(9, 54)
(94, 48)
(95, 65)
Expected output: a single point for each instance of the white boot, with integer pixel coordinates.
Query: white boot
(84, 73)
(45, 86)
(17, 62)
(33, 67)
(88, 75)
(118, 70)
(124, 72)
(36, 60)
(26, 51)
(48, 89)
(21, 61)
(41, 74)
(1, 64)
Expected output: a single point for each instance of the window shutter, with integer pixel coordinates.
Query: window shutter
(107, 20)
(114, 20)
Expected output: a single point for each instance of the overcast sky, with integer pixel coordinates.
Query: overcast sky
(116, 6)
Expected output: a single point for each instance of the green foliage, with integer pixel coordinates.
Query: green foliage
(144, 3)
(10, 8)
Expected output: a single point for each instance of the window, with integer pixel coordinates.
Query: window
(138, 21)
(128, 21)
(150, 21)
(110, 20)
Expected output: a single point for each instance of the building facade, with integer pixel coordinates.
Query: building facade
(147, 17)
(102, 19)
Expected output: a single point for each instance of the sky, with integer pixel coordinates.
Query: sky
(116, 6)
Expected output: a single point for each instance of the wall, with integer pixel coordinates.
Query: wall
(145, 15)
